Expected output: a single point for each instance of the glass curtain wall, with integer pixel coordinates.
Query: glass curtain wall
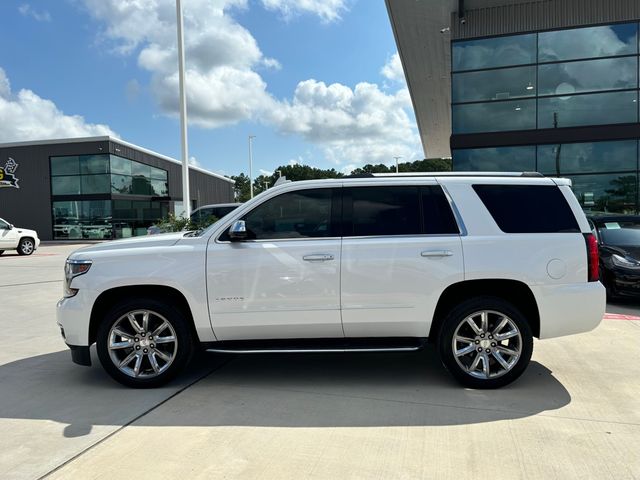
(87, 195)
(604, 174)
(564, 78)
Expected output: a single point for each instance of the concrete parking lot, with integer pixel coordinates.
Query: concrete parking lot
(574, 414)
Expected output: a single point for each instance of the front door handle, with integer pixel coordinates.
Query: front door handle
(318, 257)
(436, 253)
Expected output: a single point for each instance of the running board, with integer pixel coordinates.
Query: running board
(320, 345)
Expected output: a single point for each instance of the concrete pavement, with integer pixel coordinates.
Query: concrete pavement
(573, 414)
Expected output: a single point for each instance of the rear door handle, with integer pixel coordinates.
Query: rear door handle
(436, 253)
(318, 257)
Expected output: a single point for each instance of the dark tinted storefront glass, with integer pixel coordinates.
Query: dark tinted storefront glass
(90, 164)
(383, 211)
(588, 42)
(66, 220)
(95, 184)
(121, 184)
(494, 117)
(83, 219)
(615, 193)
(120, 165)
(494, 52)
(494, 84)
(158, 174)
(588, 157)
(65, 165)
(140, 169)
(140, 186)
(498, 159)
(65, 185)
(588, 76)
(592, 109)
(159, 188)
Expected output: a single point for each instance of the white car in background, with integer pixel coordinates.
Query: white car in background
(15, 238)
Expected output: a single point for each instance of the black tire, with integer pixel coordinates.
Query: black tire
(26, 246)
(160, 310)
(456, 364)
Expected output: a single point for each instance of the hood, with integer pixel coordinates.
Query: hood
(630, 251)
(27, 231)
(162, 240)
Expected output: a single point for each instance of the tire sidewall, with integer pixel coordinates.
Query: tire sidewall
(463, 310)
(21, 245)
(177, 320)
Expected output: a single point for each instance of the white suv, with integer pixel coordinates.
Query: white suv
(15, 238)
(476, 264)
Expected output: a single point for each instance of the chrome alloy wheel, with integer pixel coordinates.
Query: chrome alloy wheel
(142, 344)
(26, 246)
(487, 344)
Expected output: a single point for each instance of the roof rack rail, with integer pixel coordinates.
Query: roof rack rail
(451, 174)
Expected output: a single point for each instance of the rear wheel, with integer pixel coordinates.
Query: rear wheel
(485, 342)
(144, 343)
(26, 246)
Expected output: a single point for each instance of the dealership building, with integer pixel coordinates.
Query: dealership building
(529, 85)
(96, 188)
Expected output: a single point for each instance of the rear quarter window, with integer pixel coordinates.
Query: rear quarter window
(528, 208)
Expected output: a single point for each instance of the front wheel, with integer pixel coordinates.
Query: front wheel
(144, 343)
(485, 342)
(26, 246)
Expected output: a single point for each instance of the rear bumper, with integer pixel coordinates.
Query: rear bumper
(569, 309)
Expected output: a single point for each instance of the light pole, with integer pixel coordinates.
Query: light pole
(397, 158)
(186, 198)
(251, 137)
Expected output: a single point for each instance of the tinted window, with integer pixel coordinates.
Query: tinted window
(494, 52)
(437, 216)
(383, 211)
(591, 109)
(302, 214)
(612, 193)
(528, 208)
(499, 84)
(495, 159)
(605, 41)
(494, 116)
(590, 157)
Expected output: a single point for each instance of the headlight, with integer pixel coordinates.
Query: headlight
(624, 262)
(72, 269)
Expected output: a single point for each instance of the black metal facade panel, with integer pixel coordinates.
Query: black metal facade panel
(546, 136)
(541, 15)
(30, 205)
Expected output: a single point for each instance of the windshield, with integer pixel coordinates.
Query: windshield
(620, 234)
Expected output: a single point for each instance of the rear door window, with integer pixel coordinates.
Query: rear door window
(528, 208)
(437, 216)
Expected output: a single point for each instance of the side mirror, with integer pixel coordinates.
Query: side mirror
(238, 231)
(11, 227)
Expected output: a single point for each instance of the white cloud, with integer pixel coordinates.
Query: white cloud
(194, 161)
(327, 10)
(26, 116)
(359, 125)
(266, 173)
(28, 11)
(392, 70)
(224, 87)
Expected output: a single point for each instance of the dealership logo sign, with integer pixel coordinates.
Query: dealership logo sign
(7, 174)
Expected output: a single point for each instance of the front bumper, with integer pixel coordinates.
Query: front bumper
(74, 316)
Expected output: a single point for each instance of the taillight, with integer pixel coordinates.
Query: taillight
(592, 257)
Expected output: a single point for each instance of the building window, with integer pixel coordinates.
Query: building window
(611, 193)
(494, 52)
(590, 157)
(591, 109)
(82, 219)
(494, 117)
(563, 80)
(498, 159)
(589, 42)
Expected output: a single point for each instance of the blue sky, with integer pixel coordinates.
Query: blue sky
(317, 81)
